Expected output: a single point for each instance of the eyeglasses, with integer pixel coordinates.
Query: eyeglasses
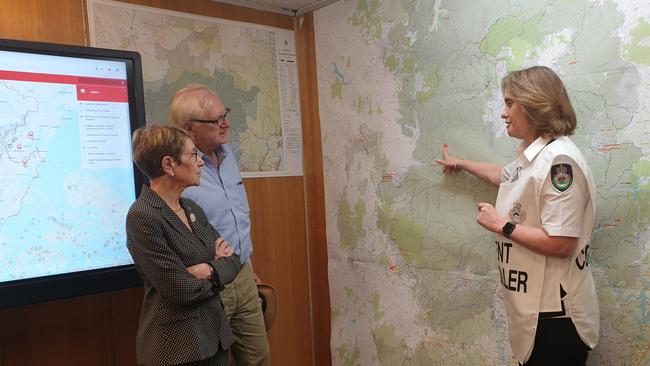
(217, 121)
(194, 155)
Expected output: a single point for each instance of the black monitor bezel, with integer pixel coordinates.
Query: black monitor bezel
(47, 288)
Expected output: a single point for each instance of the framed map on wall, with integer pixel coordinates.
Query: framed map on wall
(251, 67)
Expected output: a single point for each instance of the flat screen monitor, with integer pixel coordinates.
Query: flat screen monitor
(67, 178)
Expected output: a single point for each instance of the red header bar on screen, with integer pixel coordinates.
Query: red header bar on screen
(88, 88)
(101, 81)
(37, 77)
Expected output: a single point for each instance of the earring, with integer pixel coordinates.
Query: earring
(172, 174)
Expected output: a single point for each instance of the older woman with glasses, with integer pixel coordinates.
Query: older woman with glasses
(183, 262)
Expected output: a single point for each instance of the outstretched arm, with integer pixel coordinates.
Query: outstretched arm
(487, 172)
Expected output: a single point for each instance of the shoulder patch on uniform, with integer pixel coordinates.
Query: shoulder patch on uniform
(562, 176)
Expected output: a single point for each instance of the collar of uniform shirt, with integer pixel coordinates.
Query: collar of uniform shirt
(536, 147)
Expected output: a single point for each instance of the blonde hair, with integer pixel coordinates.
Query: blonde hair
(189, 103)
(544, 100)
(152, 144)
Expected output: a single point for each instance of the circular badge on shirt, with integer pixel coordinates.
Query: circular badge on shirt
(561, 177)
(517, 214)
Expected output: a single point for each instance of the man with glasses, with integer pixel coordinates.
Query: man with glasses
(222, 196)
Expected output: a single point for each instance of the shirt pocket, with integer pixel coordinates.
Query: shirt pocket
(238, 197)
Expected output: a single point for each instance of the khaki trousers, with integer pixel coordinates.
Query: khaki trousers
(244, 311)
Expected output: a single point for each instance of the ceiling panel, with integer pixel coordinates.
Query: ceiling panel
(289, 7)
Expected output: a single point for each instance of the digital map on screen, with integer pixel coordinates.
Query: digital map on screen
(65, 157)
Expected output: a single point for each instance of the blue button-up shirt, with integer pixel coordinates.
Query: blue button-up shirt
(222, 196)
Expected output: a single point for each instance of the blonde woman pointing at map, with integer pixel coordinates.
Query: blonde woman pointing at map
(543, 219)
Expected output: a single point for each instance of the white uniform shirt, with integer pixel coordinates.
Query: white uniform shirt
(561, 213)
(548, 186)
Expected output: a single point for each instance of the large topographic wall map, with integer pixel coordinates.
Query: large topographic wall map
(237, 60)
(413, 278)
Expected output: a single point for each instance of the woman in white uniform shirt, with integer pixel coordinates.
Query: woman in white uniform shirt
(542, 220)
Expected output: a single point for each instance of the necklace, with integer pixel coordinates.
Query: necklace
(178, 209)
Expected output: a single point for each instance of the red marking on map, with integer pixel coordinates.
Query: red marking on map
(19, 146)
(609, 147)
(388, 177)
(393, 268)
(613, 224)
(573, 62)
(30, 135)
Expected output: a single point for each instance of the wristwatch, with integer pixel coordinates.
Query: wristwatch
(508, 228)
